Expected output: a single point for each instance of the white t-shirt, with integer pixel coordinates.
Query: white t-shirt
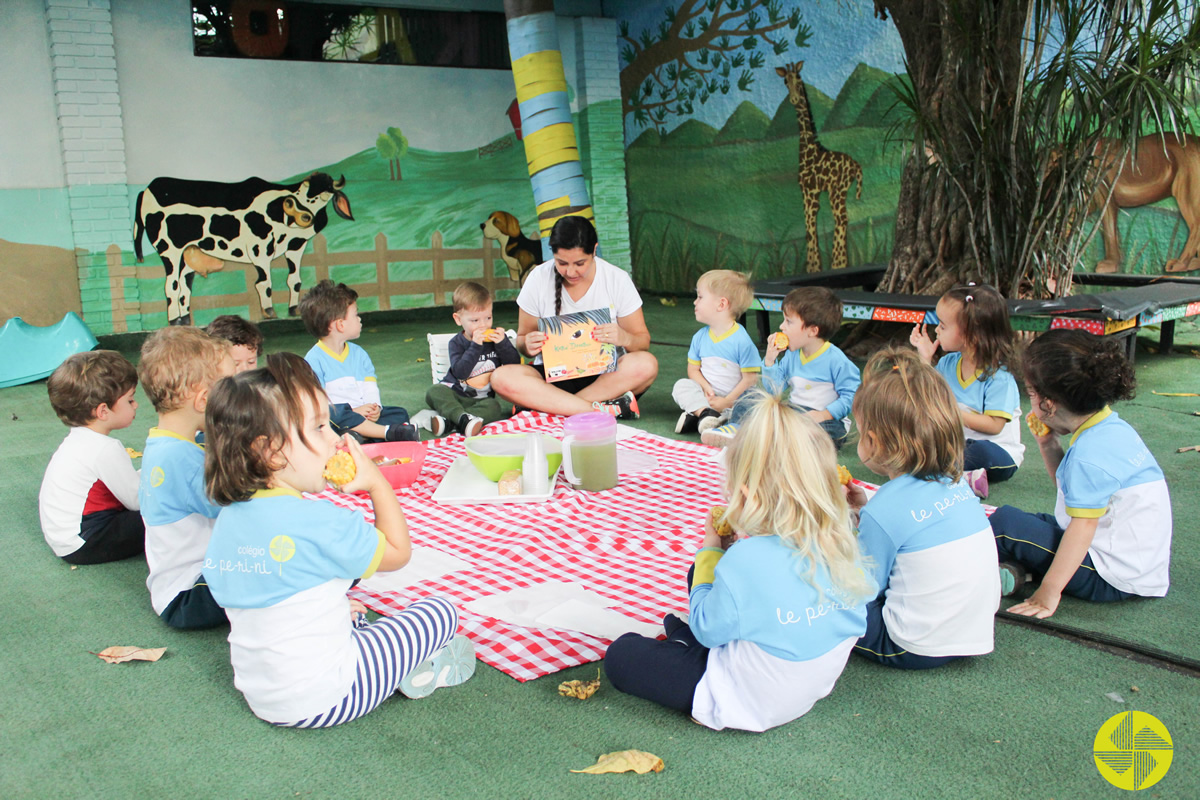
(89, 473)
(612, 288)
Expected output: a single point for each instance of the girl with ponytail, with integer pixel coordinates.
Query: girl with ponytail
(1110, 535)
(577, 281)
(925, 530)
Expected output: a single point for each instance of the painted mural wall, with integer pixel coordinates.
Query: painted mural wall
(419, 204)
(714, 145)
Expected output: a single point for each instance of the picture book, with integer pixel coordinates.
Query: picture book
(570, 351)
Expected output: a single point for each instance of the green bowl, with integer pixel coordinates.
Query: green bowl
(497, 454)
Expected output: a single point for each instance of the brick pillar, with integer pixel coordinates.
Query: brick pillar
(88, 102)
(601, 133)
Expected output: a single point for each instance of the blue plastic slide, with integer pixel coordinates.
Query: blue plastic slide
(31, 353)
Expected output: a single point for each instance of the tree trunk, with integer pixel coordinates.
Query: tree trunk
(964, 60)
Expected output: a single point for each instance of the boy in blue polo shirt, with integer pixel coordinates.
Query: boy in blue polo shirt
(330, 313)
(178, 368)
(822, 379)
(722, 360)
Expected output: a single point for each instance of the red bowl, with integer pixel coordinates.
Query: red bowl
(399, 475)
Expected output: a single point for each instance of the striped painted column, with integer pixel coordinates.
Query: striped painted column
(551, 149)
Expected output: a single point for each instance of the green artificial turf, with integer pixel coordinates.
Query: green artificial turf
(1015, 724)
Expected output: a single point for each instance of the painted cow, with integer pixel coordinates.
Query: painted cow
(196, 225)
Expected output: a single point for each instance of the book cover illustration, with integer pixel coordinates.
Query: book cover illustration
(570, 351)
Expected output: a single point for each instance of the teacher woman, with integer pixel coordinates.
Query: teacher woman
(576, 280)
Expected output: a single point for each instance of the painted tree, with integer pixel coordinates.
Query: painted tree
(392, 145)
(1020, 111)
(701, 49)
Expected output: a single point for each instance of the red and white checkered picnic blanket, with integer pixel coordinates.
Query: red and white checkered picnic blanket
(632, 544)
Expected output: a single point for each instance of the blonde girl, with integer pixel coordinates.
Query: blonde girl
(772, 618)
(926, 532)
(974, 332)
(1110, 535)
(280, 564)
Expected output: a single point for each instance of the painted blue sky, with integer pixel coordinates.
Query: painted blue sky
(845, 34)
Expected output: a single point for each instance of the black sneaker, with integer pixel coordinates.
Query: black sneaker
(469, 425)
(402, 432)
(687, 423)
(627, 406)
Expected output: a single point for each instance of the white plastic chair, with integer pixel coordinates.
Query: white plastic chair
(439, 352)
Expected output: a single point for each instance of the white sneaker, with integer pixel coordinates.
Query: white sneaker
(450, 666)
(719, 436)
(710, 421)
(429, 420)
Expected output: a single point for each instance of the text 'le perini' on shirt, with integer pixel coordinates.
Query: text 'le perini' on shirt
(725, 358)
(825, 381)
(347, 377)
(777, 642)
(935, 555)
(90, 477)
(280, 565)
(994, 396)
(178, 514)
(1108, 473)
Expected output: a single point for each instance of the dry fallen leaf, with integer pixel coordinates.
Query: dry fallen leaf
(119, 655)
(581, 690)
(637, 761)
(408, 339)
(133, 453)
(420, 361)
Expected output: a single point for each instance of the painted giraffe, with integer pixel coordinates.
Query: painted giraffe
(821, 170)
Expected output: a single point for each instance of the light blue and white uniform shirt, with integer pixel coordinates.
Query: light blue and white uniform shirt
(348, 377)
(724, 359)
(935, 556)
(281, 565)
(178, 514)
(1108, 473)
(777, 642)
(994, 396)
(825, 381)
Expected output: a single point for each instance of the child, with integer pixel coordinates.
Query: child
(722, 361)
(774, 616)
(178, 367)
(1110, 535)
(465, 396)
(330, 312)
(973, 329)
(282, 564)
(244, 337)
(89, 501)
(822, 379)
(924, 529)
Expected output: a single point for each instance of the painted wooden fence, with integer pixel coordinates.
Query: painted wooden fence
(494, 276)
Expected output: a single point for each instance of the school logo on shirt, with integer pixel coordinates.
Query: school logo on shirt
(157, 476)
(282, 548)
(1133, 750)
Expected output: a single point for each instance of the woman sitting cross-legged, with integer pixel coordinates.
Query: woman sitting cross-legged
(574, 282)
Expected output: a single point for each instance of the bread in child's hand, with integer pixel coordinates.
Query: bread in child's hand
(721, 527)
(1036, 426)
(844, 475)
(781, 341)
(340, 469)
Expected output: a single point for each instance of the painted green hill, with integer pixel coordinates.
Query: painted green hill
(856, 92)
(746, 123)
(691, 134)
(784, 121)
(648, 138)
(882, 110)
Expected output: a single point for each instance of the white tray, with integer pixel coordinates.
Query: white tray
(464, 485)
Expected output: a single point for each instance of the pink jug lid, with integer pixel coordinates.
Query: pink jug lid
(592, 425)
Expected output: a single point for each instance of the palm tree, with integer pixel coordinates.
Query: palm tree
(1017, 111)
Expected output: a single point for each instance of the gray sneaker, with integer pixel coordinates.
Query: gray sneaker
(450, 666)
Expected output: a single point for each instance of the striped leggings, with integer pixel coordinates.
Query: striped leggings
(389, 649)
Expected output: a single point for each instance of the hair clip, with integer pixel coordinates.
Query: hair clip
(970, 283)
(895, 367)
(969, 298)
